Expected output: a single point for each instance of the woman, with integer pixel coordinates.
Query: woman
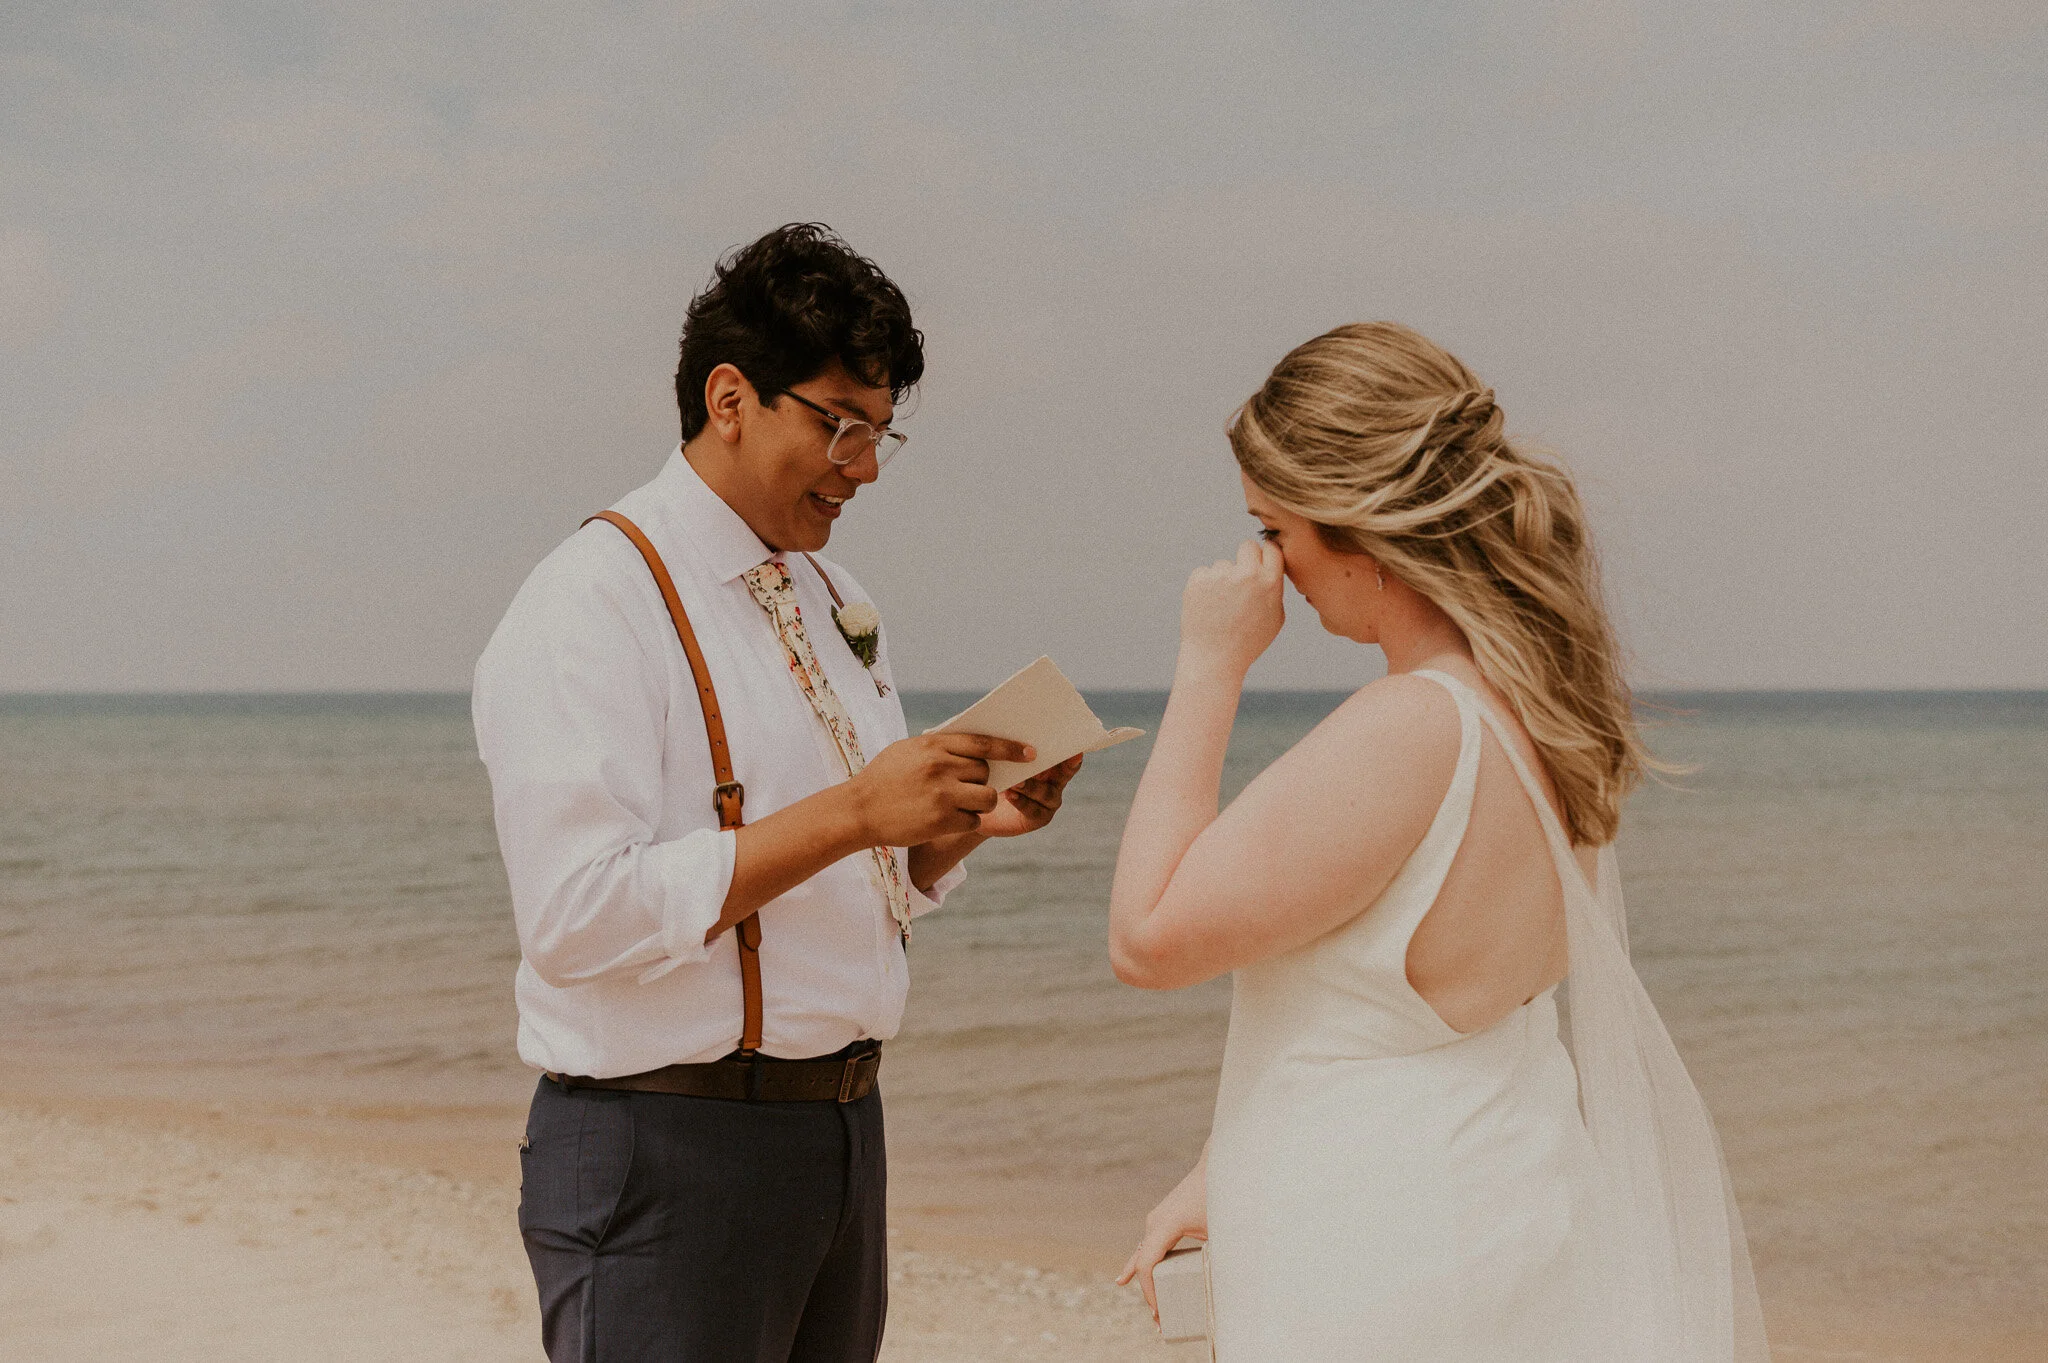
(1406, 1163)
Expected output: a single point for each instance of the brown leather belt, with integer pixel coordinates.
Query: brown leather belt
(843, 1078)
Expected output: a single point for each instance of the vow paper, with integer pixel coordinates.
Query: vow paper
(1038, 706)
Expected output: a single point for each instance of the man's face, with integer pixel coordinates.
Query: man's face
(793, 492)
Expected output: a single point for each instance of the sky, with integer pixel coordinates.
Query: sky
(321, 324)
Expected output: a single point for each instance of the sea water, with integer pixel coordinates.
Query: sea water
(1842, 912)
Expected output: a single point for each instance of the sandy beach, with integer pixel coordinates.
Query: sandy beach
(172, 1231)
(239, 1231)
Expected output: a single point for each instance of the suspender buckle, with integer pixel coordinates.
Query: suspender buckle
(728, 817)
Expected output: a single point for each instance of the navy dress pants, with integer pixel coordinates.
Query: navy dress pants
(702, 1230)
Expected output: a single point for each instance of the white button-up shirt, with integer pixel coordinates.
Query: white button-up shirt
(587, 719)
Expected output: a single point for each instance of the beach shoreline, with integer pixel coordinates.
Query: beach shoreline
(226, 1226)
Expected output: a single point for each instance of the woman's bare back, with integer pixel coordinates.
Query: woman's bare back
(1494, 938)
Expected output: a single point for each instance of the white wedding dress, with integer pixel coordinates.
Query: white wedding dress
(1383, 1187)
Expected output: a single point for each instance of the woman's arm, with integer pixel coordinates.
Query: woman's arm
(1313, 840)
(1230, 614)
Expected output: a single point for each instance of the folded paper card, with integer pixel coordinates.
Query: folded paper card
(1038, 706)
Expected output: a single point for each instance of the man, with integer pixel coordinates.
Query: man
(703, 1164)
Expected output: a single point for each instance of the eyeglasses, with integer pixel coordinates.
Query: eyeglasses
(851, 439)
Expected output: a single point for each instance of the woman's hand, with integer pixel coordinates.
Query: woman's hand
(1029, 805)
(1185, 1211)
(1231, 611)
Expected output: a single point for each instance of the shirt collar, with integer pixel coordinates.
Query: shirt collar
(718, 534)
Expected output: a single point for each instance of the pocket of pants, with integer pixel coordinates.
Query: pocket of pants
(604, 1164)
(542, 1200)
(573, 1169)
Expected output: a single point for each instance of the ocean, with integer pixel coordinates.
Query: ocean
(1842, 912)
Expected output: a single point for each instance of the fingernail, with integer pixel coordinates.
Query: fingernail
(1030, 753)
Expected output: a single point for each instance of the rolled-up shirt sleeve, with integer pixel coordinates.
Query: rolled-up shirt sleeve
(924, 901)
(569, 710)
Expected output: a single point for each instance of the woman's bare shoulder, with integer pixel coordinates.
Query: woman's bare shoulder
(1401, 726)
(1398, 711)
(1329, 825)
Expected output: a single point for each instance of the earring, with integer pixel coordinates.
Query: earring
(1381, 574)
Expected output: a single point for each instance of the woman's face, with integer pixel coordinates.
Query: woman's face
(1341, 587)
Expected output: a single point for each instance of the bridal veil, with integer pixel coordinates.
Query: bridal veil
(1666, 1236)
(1670, 1234)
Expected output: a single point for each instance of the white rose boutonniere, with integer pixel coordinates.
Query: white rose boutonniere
(860, 624)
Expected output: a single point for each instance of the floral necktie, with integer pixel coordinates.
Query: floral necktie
(770, 585)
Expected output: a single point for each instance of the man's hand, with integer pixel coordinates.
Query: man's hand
(930, 786)
(920, 793)
(1026, 806)
(1029, 805)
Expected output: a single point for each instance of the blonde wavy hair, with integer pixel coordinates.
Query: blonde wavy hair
(1395, 449)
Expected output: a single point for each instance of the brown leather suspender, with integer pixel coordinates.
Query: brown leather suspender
(836, 599)
(728, 797)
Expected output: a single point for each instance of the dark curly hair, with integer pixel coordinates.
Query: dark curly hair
(785, 307)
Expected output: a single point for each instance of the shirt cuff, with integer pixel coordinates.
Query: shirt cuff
(694, 874)
(924, 901)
